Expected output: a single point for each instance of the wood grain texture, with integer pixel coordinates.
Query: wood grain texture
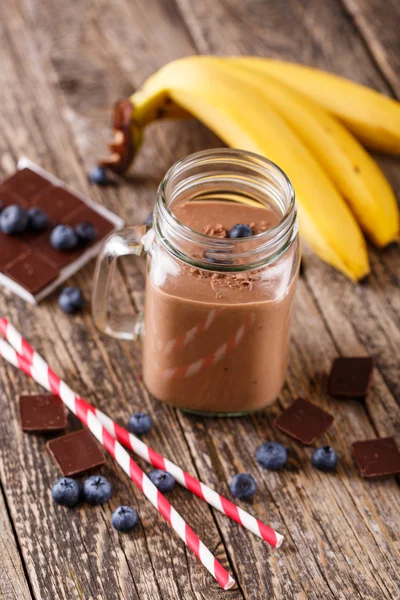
(13, 584)
(76, 553)
(379, 24)
(64, 67)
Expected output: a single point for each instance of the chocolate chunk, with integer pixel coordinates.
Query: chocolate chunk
(25, 183)
(76, 452)
(378, 457)
(42, 412)
(350, 377)
(304, 421)
(57, 202)
(32, 271)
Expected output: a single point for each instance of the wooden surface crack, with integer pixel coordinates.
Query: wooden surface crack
(62, 71)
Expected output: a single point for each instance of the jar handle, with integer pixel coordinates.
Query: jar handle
(120, 243)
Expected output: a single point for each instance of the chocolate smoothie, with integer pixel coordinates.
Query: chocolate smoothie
(217, 342)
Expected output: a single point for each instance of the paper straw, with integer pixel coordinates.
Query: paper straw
(213, 358)
(121, 456)
(192, 334)
(43, 373)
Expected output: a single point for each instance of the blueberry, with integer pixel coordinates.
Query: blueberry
(66, 491)
(243, 486)
(100, 176)
(13, 219)
(97, 489)
(124, 518)
(86, 232)
(272, 456)
(71, 300)
(63, 237)
(140, 423)
(37, 219)
(240, 231)
(324, 459)
(162, 480)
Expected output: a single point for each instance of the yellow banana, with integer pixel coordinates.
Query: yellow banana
(352, 169)
(239, 115)
(372, 117)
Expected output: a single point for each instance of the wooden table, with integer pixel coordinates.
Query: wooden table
(63, 65)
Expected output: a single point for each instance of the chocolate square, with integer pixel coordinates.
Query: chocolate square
(7, 198)
(56, 202)
(350, 377)
(57, 258)
(32, 271)
(11, 249)
(304, 421)
(378, 457)
(25, 183)
(41, 413)
(86, 214)
(76, 452)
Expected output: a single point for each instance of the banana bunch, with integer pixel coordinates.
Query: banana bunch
(301, 119)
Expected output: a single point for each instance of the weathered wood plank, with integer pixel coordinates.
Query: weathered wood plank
(379, 25)
(13, 584)
(341, 531)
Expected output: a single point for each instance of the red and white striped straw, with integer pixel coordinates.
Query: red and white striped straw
(204, 492)
(88, 418)
(42, 373)
(211, 359)
(192, 334)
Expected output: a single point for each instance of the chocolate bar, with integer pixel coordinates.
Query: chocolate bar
(24, 185)
(29, 265)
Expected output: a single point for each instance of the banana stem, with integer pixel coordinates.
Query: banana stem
(131, 116)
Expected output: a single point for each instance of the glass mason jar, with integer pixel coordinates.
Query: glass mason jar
(217, 310)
